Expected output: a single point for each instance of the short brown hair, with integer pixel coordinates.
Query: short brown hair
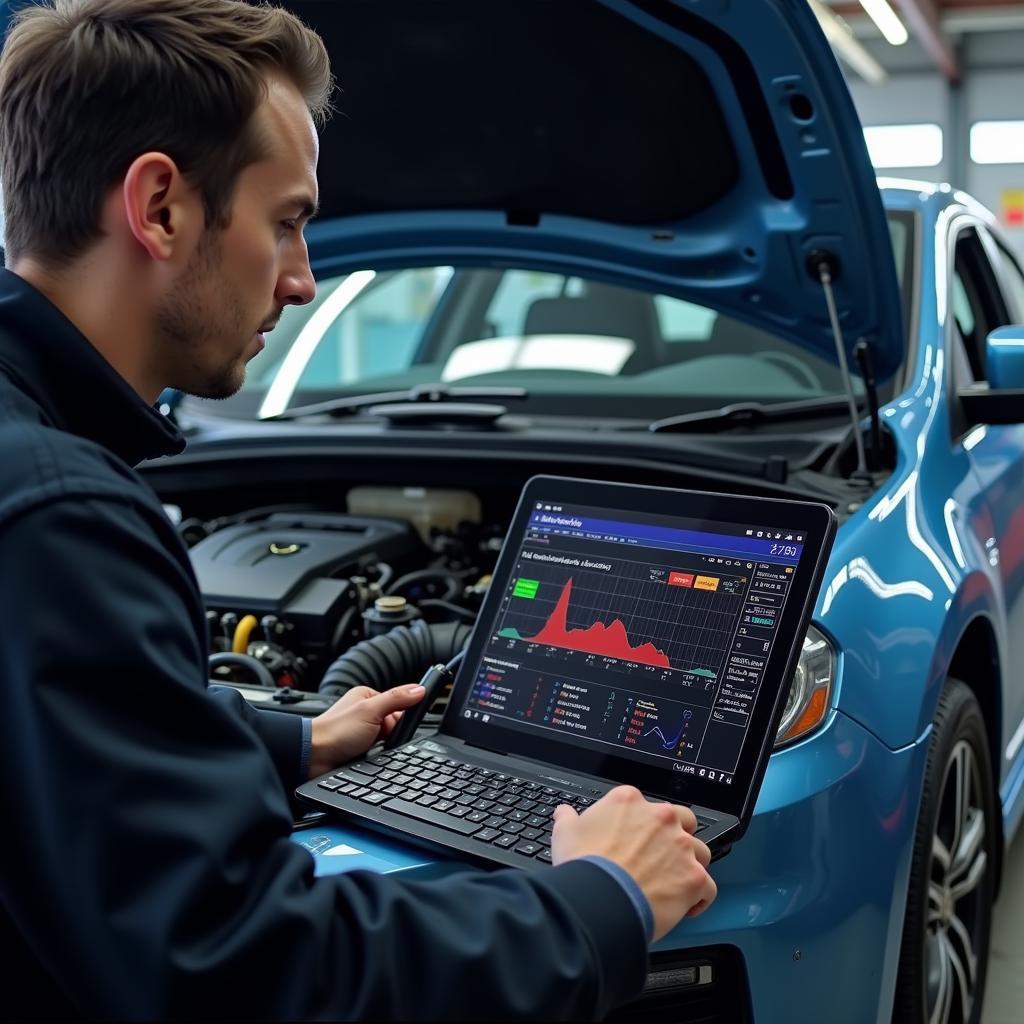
(86, 86)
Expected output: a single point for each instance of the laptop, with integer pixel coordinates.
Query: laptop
(630, 634)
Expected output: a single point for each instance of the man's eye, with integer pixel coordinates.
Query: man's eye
(289, 225)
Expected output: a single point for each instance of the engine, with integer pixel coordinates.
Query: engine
(303, 576)
(289, 591)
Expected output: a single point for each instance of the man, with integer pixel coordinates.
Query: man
(158, 161)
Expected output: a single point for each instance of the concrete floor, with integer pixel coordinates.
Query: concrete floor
(1004, 998)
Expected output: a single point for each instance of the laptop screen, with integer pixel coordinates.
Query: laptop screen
(635, 634)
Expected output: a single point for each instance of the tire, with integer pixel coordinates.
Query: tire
(944, 953)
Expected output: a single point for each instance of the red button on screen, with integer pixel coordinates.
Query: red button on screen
(680, 579)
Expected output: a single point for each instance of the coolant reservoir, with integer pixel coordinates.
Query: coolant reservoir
(424, 507)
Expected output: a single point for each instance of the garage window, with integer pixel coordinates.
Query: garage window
(904, 145)
(997, 142)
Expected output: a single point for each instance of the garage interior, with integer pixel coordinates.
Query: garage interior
(502, 287)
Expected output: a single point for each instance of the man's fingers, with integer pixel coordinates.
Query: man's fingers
(398, 698)
(687, 819)
(702, 853)
(710, 892)
(389, 723)
(563, 811)
(356, 695)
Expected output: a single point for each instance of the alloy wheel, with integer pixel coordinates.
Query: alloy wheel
(956, 914)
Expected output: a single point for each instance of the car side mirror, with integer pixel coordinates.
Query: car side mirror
(1000, 399)
(1004, 358)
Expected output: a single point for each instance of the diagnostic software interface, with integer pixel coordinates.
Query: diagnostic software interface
(637, 635)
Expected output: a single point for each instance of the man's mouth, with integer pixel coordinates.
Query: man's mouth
(265, 329)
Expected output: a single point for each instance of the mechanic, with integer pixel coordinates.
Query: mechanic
(158, 162)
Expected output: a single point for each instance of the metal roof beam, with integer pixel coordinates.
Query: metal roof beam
(922, 18)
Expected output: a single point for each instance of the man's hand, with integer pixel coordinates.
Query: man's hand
(653, 842)
(355, 722)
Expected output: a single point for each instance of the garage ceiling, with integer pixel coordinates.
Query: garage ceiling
(934, 24)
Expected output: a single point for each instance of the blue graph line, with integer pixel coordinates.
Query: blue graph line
(667, 744)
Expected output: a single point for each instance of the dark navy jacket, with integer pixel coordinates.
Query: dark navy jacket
(147, 869)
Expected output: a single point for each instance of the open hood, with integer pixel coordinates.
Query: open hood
(707, 149)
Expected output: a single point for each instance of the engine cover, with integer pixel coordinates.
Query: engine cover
(296, 566)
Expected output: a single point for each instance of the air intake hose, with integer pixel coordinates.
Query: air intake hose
(401, 655)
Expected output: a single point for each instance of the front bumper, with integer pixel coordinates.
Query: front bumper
(813, 895)
(807, 924)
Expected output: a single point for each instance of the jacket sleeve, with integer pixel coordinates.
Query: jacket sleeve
(151, 869)
(280, 732)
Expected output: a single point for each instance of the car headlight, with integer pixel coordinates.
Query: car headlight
(811, 690)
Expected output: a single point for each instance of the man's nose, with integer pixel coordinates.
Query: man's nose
(296, 286)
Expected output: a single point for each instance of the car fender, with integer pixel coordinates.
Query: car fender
(897, 612)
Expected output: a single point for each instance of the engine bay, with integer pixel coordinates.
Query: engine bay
(326, 566)
(293, 589)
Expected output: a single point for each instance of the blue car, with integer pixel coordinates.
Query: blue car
(641, 240)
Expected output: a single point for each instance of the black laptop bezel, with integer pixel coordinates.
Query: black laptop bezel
(817, 523)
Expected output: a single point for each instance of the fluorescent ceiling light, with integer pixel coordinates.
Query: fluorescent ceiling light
(847, 48)
(884, 17)
(997, 142)
(904, 145)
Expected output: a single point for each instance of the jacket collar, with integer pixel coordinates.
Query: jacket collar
(76, 389)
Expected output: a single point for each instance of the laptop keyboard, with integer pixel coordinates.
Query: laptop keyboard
(495, 809)
(491, 808)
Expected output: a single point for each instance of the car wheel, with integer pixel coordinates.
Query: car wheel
(944, 956)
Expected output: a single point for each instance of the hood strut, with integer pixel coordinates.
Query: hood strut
(825, 266)
(862, 353)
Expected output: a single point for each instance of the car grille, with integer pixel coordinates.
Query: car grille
(706, 985)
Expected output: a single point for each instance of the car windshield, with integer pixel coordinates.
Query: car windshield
(568, 340)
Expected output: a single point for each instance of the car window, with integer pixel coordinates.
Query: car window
(333, 342)
(681, 321)
(976, 302)
(1013, 282)
(963, 311)
(516, 292)
(551, 333)
(899, 238)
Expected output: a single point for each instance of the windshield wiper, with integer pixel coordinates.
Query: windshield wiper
(422, 393)
(750, 414)
(439, 404)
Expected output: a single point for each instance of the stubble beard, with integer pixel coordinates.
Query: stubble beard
(193, 321)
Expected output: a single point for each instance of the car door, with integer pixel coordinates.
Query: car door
(978, 305)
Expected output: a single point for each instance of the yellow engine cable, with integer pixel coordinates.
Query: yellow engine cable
(240, 642)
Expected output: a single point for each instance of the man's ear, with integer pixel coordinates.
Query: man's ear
(158, 205)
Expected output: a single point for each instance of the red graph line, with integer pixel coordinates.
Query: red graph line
(611, 641)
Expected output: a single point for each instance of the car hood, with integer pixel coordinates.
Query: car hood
(707, 149)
